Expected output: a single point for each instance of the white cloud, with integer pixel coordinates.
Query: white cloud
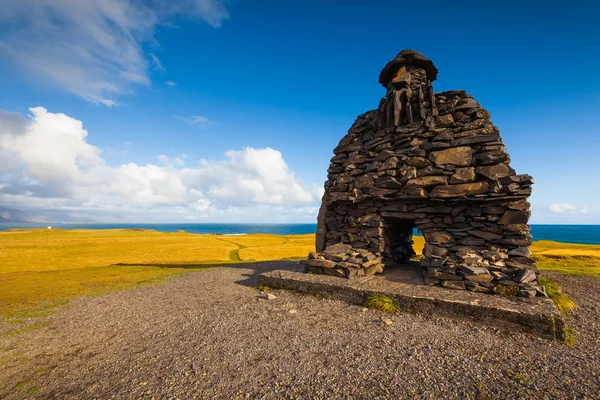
(565, 208)
(118, 151)
(50, 171)
(170, 83)
(157, 64)
(93, 48)
(173, 161)
(50, 151)
(195, 120)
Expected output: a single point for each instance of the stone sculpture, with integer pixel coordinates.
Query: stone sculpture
(435, 162)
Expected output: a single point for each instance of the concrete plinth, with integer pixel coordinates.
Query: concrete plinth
(538, 316)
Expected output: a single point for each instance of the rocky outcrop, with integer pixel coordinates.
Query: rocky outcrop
(435, 162)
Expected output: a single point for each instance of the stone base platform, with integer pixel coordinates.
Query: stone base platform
(538, 316)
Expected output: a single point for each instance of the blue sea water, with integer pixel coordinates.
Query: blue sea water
(584, 234)
(219, 229)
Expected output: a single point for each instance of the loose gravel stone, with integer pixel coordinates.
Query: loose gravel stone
(208, 335)
(270, 296)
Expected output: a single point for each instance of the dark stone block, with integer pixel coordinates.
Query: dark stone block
(513, 217)
(453, 285)
(319, 263)
(465, 189)
(338, 249)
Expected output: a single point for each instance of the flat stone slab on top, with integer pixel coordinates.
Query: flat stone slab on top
(538, 316)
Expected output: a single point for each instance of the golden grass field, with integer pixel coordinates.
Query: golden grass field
(41, 268)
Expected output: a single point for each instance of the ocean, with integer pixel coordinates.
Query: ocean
(219, 229)
(583, 234)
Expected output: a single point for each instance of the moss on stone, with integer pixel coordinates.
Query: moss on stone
(507, 291)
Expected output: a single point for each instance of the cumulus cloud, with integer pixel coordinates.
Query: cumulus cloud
(50, 171)
(96, 49)
(565, 208)
(47, 154)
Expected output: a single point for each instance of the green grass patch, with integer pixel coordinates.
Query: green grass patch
(569, 336)
(322, 297)
(25, 329)
(563, 303)
(23, 384)
(516, 375)
(43, 310)
(561, 300)
(381, 302)
(234, 255)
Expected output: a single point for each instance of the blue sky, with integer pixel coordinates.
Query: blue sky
(211, 111)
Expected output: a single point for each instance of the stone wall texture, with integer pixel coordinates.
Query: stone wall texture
(435, 162)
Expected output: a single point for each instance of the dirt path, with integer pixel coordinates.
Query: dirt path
(208, 335)
(234, 255)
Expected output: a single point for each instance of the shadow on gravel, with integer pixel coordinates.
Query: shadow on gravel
(251, 279)
(190, 266)
(260, 267)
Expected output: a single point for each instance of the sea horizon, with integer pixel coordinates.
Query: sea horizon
(564, 233)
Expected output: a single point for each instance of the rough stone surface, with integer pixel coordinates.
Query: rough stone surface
(460, 190)
(321, 230)
(494, 171)
(434, 162)
(319, 263)
(460, 156)
(463, 175)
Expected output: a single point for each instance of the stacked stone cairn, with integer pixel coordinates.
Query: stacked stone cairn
(435, 162)
(344, 261)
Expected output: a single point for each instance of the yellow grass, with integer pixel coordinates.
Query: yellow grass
(47, 250)
(576, 259)
(419, 243)
(255, 240)
(39, 268)
(272, 247)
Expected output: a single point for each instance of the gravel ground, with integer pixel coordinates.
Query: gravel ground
(209, 335)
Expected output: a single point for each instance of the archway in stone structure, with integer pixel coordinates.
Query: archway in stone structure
(397, 238)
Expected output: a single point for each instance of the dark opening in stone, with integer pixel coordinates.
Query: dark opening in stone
(398, 242)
